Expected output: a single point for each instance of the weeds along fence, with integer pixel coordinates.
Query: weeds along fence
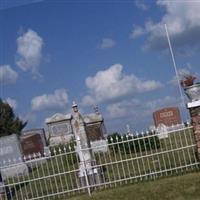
(121, 160)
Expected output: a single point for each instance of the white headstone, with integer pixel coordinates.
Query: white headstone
(9, 150)
(162, 131)
(11, 161)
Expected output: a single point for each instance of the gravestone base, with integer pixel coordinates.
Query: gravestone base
(14, 171)
(36, 162)
(95, 177)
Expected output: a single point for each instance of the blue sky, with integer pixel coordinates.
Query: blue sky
(113, 54)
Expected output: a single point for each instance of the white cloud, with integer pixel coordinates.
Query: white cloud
(11, 102)
(7, 75)
(113, 83)
(121, 109)
(29, 52)
(137, 32)
(30, 117)
(116, 110)
(166, 101)
(135, 112)
(138, 109)
(88, 100)
(107, 43)
(57, 100)
(141, 5)
(183, 21)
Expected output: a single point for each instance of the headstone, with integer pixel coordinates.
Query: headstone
(32, 143)
(11, 160)
(94, 125)
(9, 150)
(62, 139)
(39, 131)
(59, 128)
(162, 131)
(167, 116)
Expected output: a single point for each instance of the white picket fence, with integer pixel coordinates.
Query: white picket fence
(119, 160)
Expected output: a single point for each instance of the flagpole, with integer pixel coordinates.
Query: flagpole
(175, 67)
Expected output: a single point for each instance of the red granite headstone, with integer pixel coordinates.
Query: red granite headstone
(31, 143)
(167, 116)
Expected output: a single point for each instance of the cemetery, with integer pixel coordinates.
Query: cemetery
(73, 155)
(79, 158)
(93, 104)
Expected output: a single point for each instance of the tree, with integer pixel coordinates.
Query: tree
(9, 123)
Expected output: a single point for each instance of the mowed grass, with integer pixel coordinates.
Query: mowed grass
(185, 187)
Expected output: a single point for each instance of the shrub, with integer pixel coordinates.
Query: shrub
(130, 144)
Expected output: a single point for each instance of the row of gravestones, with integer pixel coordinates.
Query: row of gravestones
(13, 147)
(14, 151)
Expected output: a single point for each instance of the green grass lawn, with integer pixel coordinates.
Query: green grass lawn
(185, 187)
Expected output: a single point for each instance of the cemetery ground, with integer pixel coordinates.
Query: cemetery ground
(184, 187)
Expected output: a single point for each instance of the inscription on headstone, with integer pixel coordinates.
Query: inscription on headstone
(61, 128)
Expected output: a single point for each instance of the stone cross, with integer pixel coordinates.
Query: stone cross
(83, 146)
(88, 173)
